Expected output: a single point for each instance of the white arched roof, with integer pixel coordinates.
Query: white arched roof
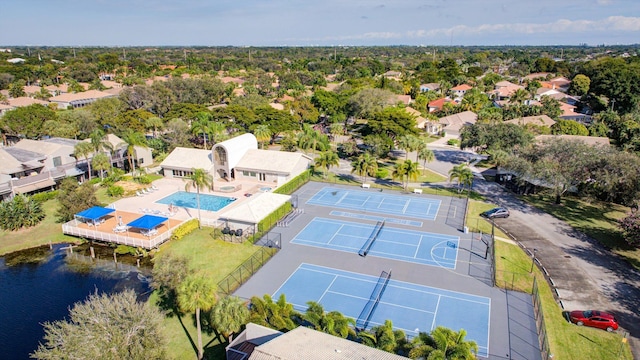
(237, 147)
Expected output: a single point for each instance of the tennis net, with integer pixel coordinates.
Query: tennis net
(374, 299)
(374, 235)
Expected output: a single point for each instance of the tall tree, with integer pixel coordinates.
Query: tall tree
(364, 165)
(383, 337)
(83, 150)
(131, 139)
(426, 155)
(326, 160)
(101, 163)
(154, 123)
(228, 315)
(74, 198)
(196, 294)
(262, 133)
(408, 169)
(199, 179)
(105, 326)
(462, 174)
(312, 139)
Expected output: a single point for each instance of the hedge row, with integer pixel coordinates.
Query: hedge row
(44, 196)
(295, 183)
(270, 220)
(185, 229)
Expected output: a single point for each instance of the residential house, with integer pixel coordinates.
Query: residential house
(25, 101)
(16, 60)
(181, 162)
(453, 124)
(58, 151)
(458, 91)
(395, 75)
(260, 343)
(420, 120)
(142, 156)
(404, 99)
(31, 90)
(429, 87)
(504, 90)
(80, 99)
(437, 105)
(536, 76)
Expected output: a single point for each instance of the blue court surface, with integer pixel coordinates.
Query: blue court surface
(377, 218)
(411, 307)
(373, 201)
(392, 243)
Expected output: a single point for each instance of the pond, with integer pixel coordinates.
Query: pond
(41, 284)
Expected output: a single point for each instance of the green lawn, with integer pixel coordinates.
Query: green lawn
(480, 224)
(215, 259)
(48, 231)
(596, 219)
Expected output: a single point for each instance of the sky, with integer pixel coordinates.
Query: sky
(318, 22)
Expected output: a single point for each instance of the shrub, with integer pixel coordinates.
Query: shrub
(293, 184)
(452, 142)
(143, 179)
(382, 173)
(631, 227)
(45, 196)
(125, 250)
(185, 229)
(115, 191)
(94, 181)
(21, 211)
(270, 220)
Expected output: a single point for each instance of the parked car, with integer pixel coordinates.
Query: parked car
(498, 212)
(594, 318)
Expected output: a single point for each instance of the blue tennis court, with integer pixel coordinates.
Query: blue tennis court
(377, 202)
(411, 307)
(392, 243)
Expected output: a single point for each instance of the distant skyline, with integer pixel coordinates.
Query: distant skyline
(318, 23)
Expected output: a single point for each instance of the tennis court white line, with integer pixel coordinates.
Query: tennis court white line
(398, 282)
(328, 287)
(415, 255)
(382, 302)
(335, 234)
(433, 323)
(406, 205)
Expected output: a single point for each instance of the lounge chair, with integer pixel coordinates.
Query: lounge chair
(149, 190)
(154, 187)
(138, 193)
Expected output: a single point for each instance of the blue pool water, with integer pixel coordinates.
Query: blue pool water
(188, 199)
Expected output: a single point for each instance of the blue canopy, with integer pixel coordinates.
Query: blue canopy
(147, 222)
(94, 213)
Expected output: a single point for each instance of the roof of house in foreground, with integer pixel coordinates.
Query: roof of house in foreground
(303, 343)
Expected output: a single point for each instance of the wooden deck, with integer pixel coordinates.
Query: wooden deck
(105, 231)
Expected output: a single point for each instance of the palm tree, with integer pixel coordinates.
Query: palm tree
(263, 134)
(443, 343)
(426, 155)
(100, 142)
(276, 315)
(326, 160)
(101, 163)
(132, 139)
(462, 174)
(519, 96)
(383, 337)
(406, 168)
(201, 126)
(364, 165)
(336, 129)
(197, 294)
(228, 315)
(333, 323)
(154, 123)
(313, 139)
(408, 143)
(499, 157)
(83, 150)
(199, 179)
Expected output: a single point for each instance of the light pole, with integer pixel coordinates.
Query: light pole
(533, 260)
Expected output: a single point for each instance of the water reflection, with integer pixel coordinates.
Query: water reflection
(39, 285)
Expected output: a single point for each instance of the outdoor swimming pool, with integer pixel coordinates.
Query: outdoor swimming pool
(188, 199)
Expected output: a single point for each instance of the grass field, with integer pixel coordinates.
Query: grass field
(596, 219)
(215, 259)
(48, 231)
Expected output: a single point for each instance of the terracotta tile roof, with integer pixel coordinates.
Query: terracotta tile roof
(542, 120)
(91, 94)
(25, 101)
(461, 87)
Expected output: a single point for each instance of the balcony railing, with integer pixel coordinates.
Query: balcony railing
(151, 243)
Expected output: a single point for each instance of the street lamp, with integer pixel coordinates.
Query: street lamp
(533, 260)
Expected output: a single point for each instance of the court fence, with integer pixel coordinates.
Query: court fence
(244, 271)
(540, 323)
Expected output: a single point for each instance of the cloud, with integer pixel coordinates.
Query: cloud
(612, 23)
(603, 2)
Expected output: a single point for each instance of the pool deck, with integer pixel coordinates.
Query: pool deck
(131, 208)
(168, 186)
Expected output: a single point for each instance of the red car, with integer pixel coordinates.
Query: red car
(599, 319)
